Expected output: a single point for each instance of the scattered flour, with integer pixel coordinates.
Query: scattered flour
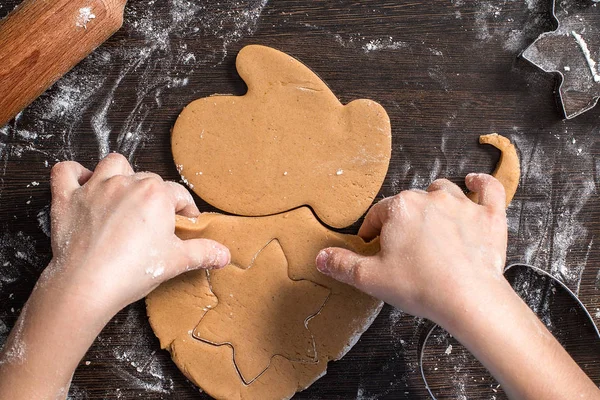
(395, 316)
(549, 225)
(588, 57)
(17, 257)
(4, 331)
(158, 64)
(43, 218)
(358, 41)
(532, 4)
(137, 362)
(448, 350)
(86, 100)
(436, 73)
(383, 44)
(491, 24)
(536, 295)
(361, 395)
(84, 17)
(27, 135)
(76, 393)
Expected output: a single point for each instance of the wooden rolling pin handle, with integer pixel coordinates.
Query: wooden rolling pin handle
(40, 41)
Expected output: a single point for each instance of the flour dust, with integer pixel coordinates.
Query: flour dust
(153, 53)
(549, 225)
(492, 23)
(18, 261)
(136, 362)
(18, 256)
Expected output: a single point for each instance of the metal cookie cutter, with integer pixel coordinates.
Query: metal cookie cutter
(540, 271)
(573, 51)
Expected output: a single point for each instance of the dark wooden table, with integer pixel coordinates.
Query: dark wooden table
(446, 71)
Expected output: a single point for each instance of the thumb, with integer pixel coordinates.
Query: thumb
(489, 191)
(200, 254)
(346, 266)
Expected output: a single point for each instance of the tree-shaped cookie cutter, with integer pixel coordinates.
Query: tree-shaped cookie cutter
(572, 51)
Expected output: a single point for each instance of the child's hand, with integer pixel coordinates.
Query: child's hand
(438, 248)
(113, 241)
(442, 258)
(113, 235)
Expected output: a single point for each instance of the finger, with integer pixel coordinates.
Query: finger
(347, 267)
(146, 175)
(184, 202)
(112, 165)
(199, 254)
(380, 212)
(489, 190)
(447, 186)
(182, 199)
(66, 177)
(374, 220)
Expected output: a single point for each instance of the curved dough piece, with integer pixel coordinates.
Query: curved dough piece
(287, 142)
(176, 307)
(508, 169)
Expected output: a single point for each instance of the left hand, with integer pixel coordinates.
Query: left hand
(113, 237)
(113, 242)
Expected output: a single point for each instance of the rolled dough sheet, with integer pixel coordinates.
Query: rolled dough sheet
(287, 142)
(176, 307)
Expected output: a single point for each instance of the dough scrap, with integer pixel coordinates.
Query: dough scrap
(286, 143)
(176, 307)
(508, 169)
(279, 310)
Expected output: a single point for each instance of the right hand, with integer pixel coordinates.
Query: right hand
(438, 249)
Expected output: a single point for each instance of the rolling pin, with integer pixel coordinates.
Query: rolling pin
(42, 40)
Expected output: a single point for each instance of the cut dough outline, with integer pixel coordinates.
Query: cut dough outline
(232, 347)
(316, 360)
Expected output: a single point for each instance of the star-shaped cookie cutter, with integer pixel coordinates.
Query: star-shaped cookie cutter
(572, 51)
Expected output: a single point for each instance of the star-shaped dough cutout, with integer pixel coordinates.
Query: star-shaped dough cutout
(573, 51)
(248, 297)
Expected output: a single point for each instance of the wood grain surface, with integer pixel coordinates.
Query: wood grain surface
(39, 45)
(446, 71)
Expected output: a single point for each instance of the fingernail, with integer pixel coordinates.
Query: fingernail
(471, 176)
(223, 257)
(322, 261)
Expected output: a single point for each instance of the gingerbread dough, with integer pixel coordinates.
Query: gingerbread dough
(176, 307)
(287, 142)
(279, 308)
(508, 170)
